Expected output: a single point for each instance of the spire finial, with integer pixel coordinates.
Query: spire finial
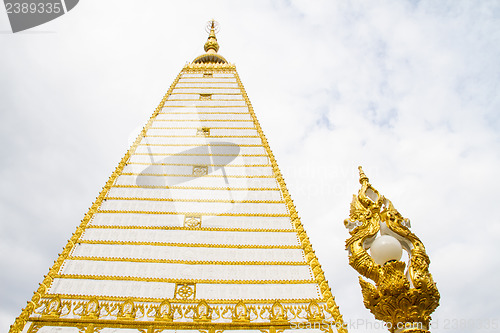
(362, 176)
(211, 46)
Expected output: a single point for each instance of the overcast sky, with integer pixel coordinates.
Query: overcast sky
(408, 89)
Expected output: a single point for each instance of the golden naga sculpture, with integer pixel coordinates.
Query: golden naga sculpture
(403, 299)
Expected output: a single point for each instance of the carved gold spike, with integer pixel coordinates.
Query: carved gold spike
(403, 299)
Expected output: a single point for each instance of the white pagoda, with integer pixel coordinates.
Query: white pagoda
(195, 229)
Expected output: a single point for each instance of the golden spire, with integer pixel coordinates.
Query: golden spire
(211, 46)
(362, 176)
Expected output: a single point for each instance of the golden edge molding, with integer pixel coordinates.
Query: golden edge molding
(26, 312)
(183, 301)
(301, 233)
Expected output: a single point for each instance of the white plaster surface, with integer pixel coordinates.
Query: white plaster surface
(193, 236)
(198, 122)
(204, 103)
(154, 220)
(198, 140)
(188, 253)
(188, 169)
(202, 114)
(210, 148)
(206, 90)
(187, 271)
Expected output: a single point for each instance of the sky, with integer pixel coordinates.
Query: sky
(407, 89)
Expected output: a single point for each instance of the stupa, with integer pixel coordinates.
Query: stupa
(194, 231)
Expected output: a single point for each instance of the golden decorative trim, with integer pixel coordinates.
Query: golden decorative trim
(172, 312)
(192, 262)
(301, 233)
(201, 188)
(229, 246)
(192, 221)
(200, 170)
(184, 228)
(202, 97)
(184, 213)
(176, 301)
(143, 326)
(185, 291)
(201, 67)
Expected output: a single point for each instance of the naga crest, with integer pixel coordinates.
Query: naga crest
(400, 294)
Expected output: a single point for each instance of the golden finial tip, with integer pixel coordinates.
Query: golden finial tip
(211, 45)
(362, 176)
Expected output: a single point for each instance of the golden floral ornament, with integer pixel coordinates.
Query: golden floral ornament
(398, 297)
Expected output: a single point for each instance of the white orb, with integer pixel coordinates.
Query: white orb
(386, 248)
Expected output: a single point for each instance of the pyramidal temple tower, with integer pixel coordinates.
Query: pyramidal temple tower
(194, 231)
